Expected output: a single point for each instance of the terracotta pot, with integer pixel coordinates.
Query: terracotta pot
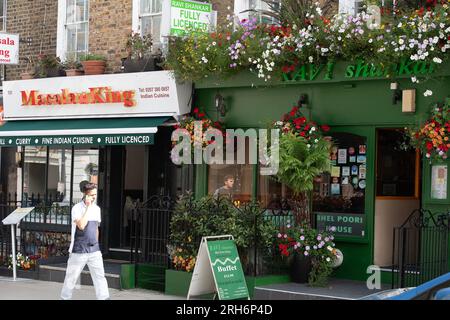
(94, 67)
(73, 72)
(26, 75)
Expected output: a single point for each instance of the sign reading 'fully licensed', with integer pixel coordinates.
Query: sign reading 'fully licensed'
(190, 16)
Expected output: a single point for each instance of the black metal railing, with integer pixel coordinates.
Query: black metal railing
(151, 230)
(44, 233)
(420, 249)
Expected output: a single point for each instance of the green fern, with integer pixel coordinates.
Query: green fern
(300, 162)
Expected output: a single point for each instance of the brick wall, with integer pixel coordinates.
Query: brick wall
(221, 6)
(26, 18)
(109, 26)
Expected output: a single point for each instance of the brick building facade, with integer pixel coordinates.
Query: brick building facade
(110, 23)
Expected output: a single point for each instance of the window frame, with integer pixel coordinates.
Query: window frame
(61, 37)
(4, 15)
(137, 22)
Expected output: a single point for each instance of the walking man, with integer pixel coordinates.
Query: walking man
(84, 247)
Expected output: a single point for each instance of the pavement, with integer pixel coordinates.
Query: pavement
(27, 289)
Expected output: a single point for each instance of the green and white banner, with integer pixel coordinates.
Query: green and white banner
(190, 16)
(85, 140)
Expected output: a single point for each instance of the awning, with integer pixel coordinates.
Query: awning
(117, 131)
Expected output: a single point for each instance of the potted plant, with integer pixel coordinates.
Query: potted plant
(312, 252)
(29, 71)
(93, 64)
(48, 65)
(140, 54)
(72, 67)
(432, 138)
(304, 153)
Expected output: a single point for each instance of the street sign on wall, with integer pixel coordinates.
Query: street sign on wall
(9, 48)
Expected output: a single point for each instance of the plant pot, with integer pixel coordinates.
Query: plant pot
(300, 268)
(73, 72)
(26, 75)
(139, 65)
(94, 67)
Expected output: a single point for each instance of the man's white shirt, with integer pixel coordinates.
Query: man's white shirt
(77, 212)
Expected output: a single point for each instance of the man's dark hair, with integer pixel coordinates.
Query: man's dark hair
(227, 177)
(89, 186)
(82, 184)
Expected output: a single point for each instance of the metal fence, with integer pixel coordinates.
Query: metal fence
(420, 249)
(151, 241)
(42, 234)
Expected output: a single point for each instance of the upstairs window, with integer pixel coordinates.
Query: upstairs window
(150, 14)
(77, 28)
(73, 28)
(247, 9)
(3, 8)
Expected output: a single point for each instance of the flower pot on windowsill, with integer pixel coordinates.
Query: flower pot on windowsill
(74, 72)
(300, 268)
(140, 65)
(94, 67)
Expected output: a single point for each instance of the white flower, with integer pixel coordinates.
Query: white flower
(328, 259)
(428, 93)
(437, 60)
(311, 59)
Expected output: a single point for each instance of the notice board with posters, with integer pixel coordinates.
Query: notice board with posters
(218, 270)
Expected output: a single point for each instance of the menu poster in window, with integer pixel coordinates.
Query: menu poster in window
(345, 171)
(354, 170)
(361, 159)
(362, 149)
(336, 171)
(362, 172)
(335, 188)
(439, 182)
(342, 156)
(352, 159)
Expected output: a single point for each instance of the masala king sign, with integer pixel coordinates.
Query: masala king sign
(143, 94)
(9, 48)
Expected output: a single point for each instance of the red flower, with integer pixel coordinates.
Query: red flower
(302, 134)
(285, 69)
(429, 146)
(201, 115)
(195, 110)
(325, 128)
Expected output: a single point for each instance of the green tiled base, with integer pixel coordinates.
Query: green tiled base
(177, 282)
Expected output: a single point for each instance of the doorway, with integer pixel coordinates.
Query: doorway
(398, 181)
(126, 188)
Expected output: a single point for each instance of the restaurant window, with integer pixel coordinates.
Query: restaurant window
(147, 21)
(397, 169)
(59, 169)
(343, 188)
(241, 172)
(73, 25)
(85, 167)
(34, 172)
(3, 10)
(272, 193)
(48, 173)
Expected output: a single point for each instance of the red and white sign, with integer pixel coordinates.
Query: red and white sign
(9, 48)
(140, 94)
